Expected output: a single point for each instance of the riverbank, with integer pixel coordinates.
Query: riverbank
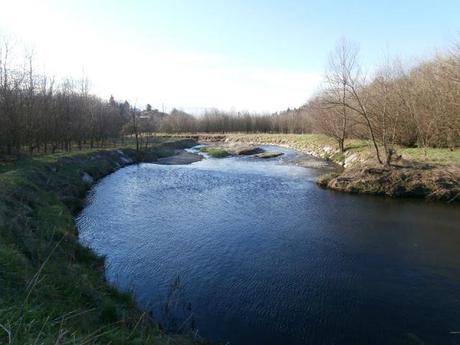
(180, 157)
(431, 173)
(52, 289)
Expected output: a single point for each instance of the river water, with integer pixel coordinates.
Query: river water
(251, 251)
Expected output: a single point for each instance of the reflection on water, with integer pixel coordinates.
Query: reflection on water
(249, 251)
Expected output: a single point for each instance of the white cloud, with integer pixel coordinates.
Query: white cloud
(143, 73)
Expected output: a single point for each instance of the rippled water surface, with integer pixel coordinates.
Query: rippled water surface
(252, 252)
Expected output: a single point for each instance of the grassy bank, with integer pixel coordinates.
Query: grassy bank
(357, 151)
(431, 173)
(52, 289)
(215, 152)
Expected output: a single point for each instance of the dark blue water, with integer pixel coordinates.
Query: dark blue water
(245, 251)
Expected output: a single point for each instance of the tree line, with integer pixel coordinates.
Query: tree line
(417, 106)
(218, 121)
(40, 114)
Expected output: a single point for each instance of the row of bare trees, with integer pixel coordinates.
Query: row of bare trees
(38, 114)
(412, 107)
(418, 106)
(217, 121)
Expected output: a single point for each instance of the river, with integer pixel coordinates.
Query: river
(249, 251)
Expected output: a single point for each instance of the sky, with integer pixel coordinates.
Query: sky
(254, 55)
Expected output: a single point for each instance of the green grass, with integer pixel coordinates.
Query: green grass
(215, 152)
(52, 289)
(7, 166)
(441, 156)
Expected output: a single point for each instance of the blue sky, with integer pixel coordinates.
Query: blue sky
(255, 55)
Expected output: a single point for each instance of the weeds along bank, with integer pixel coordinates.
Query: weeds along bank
(52, 289)
(432, 173)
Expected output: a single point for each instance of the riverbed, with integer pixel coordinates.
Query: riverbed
(242, 250)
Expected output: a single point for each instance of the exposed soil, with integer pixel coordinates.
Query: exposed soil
(434, 183)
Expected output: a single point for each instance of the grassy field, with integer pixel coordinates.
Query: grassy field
(52, 289)
(440, 156)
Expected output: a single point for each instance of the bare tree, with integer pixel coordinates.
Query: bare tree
(348, 89)
(334, 107)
